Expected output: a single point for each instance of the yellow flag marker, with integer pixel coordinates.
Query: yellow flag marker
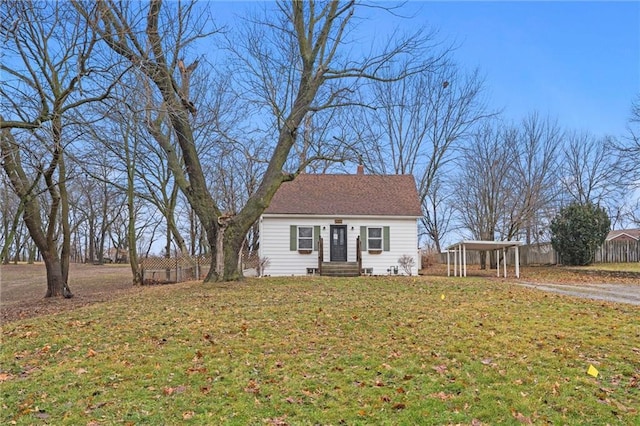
(442, 297)
(592, 371)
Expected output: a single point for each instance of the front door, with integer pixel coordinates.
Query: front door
(338, 245)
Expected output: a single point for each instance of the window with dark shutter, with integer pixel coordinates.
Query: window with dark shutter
(305, 237)
(374, 238)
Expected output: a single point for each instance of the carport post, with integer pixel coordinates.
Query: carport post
(448, 263)
(455, 262)
(504, 261)
(498, 264)
(464, 256)
(517, 261)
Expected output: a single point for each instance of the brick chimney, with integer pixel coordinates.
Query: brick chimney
(360, 170)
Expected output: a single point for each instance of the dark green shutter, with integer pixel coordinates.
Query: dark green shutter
(363, 238)
(385, 239)
(316, 236)
(293, 237)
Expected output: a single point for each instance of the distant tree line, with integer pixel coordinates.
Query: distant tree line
(134, 125)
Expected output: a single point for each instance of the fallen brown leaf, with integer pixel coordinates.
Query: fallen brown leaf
(440, 368)
(522, 418)
(442, 396)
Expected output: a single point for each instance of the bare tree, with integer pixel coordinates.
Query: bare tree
(589, 172)
(438, 210)
(49, 49)
(161, 188)
(103, 196)
(322, 80)
(629, 146)
(627, 164)
(508, 187)
(11, 208)
(633, 213)
(416, 125)
(538, 142)
(484, 187)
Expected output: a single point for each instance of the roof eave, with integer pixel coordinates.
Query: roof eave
(338, 216)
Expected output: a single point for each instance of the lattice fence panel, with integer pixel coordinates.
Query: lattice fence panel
(157, 270)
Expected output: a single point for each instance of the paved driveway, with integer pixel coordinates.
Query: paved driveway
(619, 293)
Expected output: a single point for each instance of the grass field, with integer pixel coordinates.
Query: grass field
(295, 351)
(628, 267)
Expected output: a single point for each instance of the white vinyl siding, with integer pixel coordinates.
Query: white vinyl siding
(402, 238)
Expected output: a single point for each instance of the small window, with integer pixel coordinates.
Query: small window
(305, 237)
(374, 238)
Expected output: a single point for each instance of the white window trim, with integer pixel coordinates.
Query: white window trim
(369, 238)
(310, 238)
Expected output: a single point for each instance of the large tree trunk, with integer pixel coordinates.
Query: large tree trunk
(65, 251)
(57, 275)
(131, 230)
(233, 239)
(56, 283)
(57, 270)
(92, 238)
(318, 33)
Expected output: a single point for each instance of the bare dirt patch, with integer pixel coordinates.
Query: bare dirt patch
(22, 288)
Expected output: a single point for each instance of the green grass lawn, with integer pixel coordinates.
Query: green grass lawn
(326, 351)
(628, 267)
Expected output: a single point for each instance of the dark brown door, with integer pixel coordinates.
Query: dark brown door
(338, 244)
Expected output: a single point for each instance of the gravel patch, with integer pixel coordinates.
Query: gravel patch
(618, 293)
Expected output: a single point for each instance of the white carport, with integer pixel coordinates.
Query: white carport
(459, 251)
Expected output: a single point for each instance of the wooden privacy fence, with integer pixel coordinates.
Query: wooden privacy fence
(544, 254)
(618, 252)
(535, 254)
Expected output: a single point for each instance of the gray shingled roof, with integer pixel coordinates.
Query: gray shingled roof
(328, 194)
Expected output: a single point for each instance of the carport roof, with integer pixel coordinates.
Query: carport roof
(484, 245)
(460, 249)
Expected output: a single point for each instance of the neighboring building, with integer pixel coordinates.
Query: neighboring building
(115, 255)
(326, 213)
(624, 235)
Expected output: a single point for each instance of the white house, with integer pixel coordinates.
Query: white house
(315, 223)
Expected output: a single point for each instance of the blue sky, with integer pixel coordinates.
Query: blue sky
(575, 61)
